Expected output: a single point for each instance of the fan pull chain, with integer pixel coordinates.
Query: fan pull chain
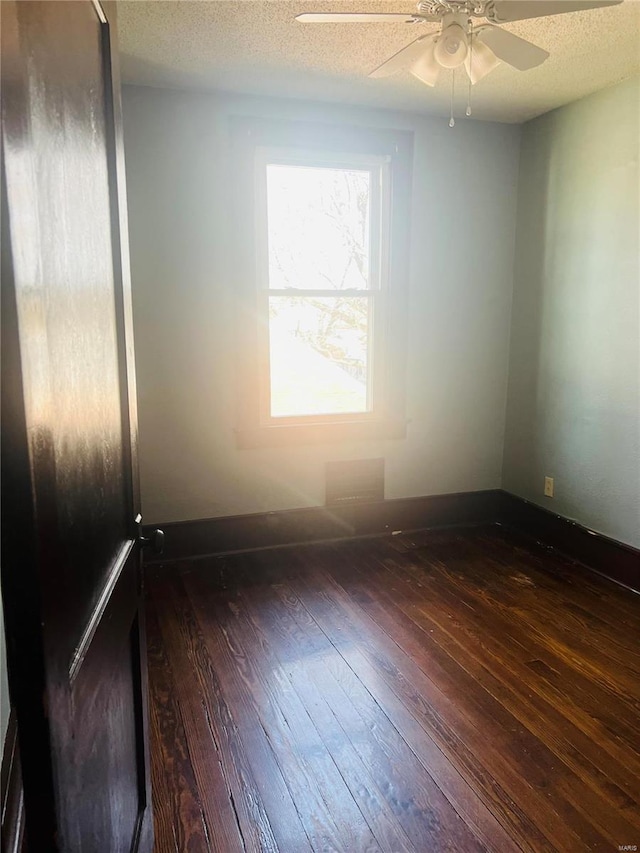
(468, 113)
(452, 121)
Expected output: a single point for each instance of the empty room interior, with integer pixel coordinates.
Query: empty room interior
(377, 322)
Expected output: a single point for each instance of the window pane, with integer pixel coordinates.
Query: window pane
(318, 227)
(319, 359)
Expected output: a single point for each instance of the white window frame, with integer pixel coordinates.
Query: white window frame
(376, 293)
(332, 144)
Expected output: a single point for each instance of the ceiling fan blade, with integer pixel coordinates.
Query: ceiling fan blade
(505, 11)
(511, 49)
(361, 17)
(404, 57)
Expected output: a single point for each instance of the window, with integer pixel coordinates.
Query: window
(322, 223)
(321, 354)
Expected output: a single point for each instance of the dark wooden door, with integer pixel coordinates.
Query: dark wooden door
(71, 571)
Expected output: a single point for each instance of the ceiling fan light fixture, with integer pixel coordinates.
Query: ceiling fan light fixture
(425, 68)
(452, 47)
(480, 60)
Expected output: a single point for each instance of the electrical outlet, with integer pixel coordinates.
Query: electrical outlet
(548, 487)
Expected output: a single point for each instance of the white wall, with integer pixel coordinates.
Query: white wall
(180, 194)
(574, 386)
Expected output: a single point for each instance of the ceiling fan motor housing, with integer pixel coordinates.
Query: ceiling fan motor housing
(466, 8)
(452, 45)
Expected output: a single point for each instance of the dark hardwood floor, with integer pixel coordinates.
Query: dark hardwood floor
(454, 690)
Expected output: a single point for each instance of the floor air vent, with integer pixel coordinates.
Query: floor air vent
(355, 481)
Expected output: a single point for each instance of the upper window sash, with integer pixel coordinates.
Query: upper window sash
(378, 168)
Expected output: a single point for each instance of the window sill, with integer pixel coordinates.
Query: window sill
(295, 434)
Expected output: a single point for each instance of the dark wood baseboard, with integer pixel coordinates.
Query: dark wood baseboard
(608, 557)
(204, 537)
(11, 786)
(211, 536)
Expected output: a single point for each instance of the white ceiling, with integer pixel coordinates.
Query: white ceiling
(257, 47)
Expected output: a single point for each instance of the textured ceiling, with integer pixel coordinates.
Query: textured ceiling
(258, 48)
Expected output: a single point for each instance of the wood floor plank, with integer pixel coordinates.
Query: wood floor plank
(609, 654)
(309, 769)
(581, 753)
(302, 679)
(446, 690)
(248, 689)
(426, 815)
(284, 813)
(464, 797)
(399, 804)
(178, 818)
(605, 601)
(612, 602)
(587, 809)
(492, 640)
(588, 703)
(229, 796)
(612, 661)
(466, 746)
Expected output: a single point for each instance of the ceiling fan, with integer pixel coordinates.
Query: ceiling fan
(479, 48)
